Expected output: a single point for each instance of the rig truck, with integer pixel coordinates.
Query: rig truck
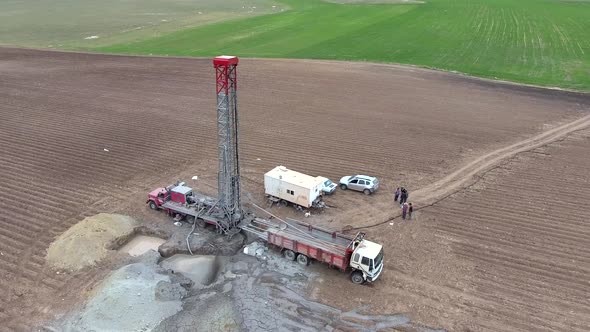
(297, 240)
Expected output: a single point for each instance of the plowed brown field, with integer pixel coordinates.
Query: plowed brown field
(509, 253)
(499, 261)
(525, 227)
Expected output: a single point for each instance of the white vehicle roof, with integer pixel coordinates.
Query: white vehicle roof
(364, 177)
(293, 177)
(182, 189)
(369, 249)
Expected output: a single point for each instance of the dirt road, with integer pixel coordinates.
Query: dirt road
(456, 180)
(82, 133)
(467, 175)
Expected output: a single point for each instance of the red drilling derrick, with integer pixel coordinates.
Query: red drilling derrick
(228, 137)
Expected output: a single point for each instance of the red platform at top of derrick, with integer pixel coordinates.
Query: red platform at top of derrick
(225, 60)
(226, 73)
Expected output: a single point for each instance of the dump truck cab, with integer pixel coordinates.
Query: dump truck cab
(366, 261)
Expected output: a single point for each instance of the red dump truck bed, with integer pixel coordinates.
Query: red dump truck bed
(315, 242)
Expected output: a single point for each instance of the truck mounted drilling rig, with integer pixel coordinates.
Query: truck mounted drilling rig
(225, 211)
(297, 240)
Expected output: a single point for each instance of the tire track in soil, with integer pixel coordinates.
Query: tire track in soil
(456, 180)
(466, 176)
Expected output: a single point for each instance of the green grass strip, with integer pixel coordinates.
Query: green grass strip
(540, 42)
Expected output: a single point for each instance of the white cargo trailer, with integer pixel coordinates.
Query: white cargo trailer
(285, 186)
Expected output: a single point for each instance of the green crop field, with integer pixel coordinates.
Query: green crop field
(74, 24)
(545, 42)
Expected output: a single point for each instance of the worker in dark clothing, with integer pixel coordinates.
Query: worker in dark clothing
(404, 210)
(396, 195)
(403, 196)
(410, 210)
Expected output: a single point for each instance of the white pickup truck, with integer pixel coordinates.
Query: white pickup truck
(328, 187)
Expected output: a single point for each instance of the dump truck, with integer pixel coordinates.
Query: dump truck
(284, 186)
(303, 242)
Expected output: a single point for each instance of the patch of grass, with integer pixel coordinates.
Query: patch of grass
(67, 23)
(541, 42)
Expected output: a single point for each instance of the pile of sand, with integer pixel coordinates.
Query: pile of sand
(89, 241)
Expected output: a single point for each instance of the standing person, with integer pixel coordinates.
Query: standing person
(404, 210)
(403, 196)
(410, 210)
(396, 195)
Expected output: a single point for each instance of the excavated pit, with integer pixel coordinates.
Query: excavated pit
(202, 270)
(203, 241)
(141, 244)
(186, 293)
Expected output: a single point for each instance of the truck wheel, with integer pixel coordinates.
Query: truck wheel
(367, 192)
(289, 254)
(190, 219)
(357, 277)
(283, 203)
(343, 187)
(303, 260)
(153, 205)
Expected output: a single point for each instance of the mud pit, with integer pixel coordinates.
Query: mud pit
(126, 301)
(200, 269)
(83, 134)
(265, 295)
(141, 244)
(213, 293)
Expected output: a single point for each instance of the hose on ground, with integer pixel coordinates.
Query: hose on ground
(188, 245)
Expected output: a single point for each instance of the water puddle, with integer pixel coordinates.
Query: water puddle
(200, 269)
(142, 244)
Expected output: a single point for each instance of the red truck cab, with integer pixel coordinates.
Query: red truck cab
(181, 201)
(157, 197)
(178, 193)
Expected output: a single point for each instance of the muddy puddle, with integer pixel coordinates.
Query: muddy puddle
(264, 294)
(129, 299)
(200, 269)
(216, 293)
(141, 244)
